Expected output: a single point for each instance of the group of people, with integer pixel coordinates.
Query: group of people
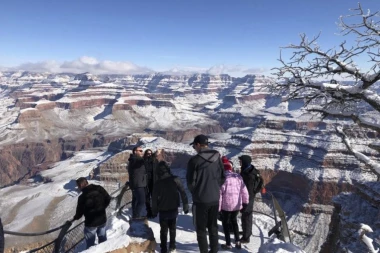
(217, 191)
(215, 187)
(158, 190)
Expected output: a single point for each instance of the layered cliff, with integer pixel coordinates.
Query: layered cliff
(303, 159)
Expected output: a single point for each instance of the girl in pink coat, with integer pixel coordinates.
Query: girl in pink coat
(233, 195)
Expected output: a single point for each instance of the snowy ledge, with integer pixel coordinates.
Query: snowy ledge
(126, 236)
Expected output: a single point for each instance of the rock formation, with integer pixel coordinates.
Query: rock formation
(303, 160)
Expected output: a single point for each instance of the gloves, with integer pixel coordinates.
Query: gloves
(69, 223)
(186, 208)
(244, 209)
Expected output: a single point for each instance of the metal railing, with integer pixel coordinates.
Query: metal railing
(71, 239)
(68, 239)
(281, 226)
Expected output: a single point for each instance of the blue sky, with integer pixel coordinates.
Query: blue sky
(163, 34)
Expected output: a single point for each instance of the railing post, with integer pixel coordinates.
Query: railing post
(1, 237)
(274, 210)
(284, 225)
(60, 239)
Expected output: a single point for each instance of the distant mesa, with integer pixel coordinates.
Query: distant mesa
(85, 77)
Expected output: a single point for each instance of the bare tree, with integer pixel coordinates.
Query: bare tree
(300, 76)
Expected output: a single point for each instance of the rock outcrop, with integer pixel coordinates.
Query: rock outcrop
(142, 238)
(351, 209)
(302, 159)
(23, 160)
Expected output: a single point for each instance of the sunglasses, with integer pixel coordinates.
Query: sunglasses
(139, 150)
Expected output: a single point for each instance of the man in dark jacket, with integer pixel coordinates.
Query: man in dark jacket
(205, 176)
(137, 181)
(151, 172)
(165, 201)
(92, 203)
(249, 174)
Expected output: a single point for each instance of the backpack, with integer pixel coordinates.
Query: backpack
(259, 182)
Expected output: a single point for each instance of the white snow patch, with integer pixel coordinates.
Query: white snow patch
(278, 246)
(117, 237)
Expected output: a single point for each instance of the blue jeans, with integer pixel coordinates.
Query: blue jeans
(91, 232)
(138, 202)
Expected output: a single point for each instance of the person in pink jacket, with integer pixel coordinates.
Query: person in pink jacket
(233, 195)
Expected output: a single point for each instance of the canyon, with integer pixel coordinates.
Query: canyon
(47, 118)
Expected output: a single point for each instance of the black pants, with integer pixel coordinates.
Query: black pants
(167, 224)
(205, 217)
(138, 201)
(230, 218)
(246, 224)
(148, 198)
(148, 195)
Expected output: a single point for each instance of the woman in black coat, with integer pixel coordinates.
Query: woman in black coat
(150, 162)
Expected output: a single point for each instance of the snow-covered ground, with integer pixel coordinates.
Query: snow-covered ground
(21, 205)
(186, 239)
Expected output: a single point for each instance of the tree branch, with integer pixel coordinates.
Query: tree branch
(373, 166)
(300, 76)
(357, 119)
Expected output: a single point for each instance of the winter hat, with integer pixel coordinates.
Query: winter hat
(226, 163)
(201, 139)
(245, 161)
(227, 166)
(225, 159)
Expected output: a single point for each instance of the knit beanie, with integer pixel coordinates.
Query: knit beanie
(227, 166)
(226, 163)
(225, 159)
(245, 161)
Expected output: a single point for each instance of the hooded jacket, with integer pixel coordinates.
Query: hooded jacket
(166, 191)
(233, 193)
(249, 176)
(136, 171)
(205, 175)
(92, 203)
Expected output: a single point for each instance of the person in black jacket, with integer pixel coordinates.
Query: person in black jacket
(165, 201)
(137, 181)
(92, 203)
(150, 167)
(205, 176)
(249, 174)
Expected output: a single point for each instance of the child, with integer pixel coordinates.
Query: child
(233, 195)
(165, 201)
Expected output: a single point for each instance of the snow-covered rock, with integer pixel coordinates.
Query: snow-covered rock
(278, 246)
